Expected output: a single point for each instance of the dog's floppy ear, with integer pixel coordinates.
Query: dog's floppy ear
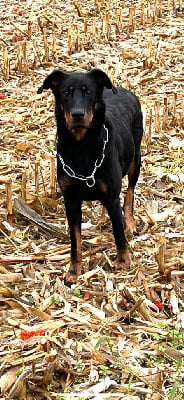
(102, 79)
(52, 81)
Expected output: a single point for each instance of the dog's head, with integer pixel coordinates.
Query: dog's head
(77, 95)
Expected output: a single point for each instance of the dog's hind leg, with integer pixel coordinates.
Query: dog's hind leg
(74, 216)
(133, 175)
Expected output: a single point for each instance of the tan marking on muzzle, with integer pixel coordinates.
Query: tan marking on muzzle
(78, 128)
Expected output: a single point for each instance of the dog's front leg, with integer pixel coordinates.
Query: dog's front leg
(74, 216)
(115, 213)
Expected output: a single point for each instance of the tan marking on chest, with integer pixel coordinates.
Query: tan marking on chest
(64, 183)
(101, 186)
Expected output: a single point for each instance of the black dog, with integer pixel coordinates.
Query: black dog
(99, 133)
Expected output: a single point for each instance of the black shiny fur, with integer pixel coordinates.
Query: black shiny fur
(84, 103)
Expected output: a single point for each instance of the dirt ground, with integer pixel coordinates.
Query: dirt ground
(112, 335)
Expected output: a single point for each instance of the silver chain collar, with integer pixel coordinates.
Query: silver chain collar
(90, 180)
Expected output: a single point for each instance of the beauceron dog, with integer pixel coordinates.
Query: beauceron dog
(99, 132)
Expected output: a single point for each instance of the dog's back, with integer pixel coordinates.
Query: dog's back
(124, 116)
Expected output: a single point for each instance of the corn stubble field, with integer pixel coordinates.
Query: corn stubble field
(113, 335)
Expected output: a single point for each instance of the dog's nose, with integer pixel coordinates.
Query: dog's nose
(77, 113)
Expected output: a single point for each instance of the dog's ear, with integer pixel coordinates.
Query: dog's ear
(52, 81)
(102, 79)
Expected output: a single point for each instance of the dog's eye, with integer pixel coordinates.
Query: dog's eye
(85, 90)
(67, 92)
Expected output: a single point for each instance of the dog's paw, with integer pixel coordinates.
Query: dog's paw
(70, 279)
(123, 260)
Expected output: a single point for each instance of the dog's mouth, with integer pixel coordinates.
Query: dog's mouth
(78, 127)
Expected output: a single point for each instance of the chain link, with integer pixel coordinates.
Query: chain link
(90, 180)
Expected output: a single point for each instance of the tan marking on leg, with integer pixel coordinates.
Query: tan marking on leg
(79, 251)
(76, 265)
(103, 213)
(128, 211)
